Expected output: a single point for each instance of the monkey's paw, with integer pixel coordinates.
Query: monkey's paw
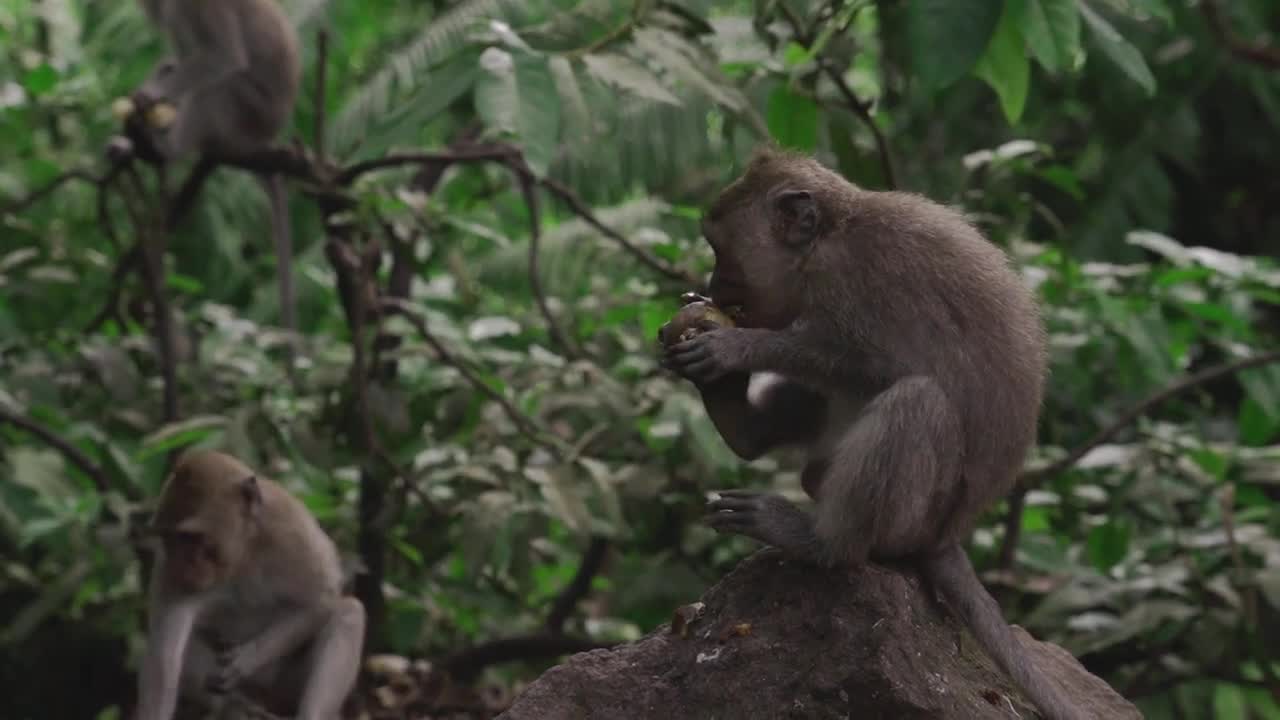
(767, 517)
(708, 356)
(234, 665)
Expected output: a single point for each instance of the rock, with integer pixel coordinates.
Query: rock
(777, 640)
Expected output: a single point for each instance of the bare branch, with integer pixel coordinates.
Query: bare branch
(1266, 55)
(525, 179)
(92, 470)
(1030, 479)
(527, 425)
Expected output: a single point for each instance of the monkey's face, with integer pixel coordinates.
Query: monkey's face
(761, 239)
(194, 561)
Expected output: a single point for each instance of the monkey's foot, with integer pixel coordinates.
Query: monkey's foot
(767, 517)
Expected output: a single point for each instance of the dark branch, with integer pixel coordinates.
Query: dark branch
(48, 189)
(1030, 479)
(1266, 55)
(92, 470)
(859, 108)
(527, 425)
(580, 209)
(525, 179)
(592, 561)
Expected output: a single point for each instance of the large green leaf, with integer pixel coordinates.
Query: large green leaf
(1005, 67)
(623, 72)
(516, 94)
(793, 119)
(1052, 30)
(948, 36)
(1121, 52)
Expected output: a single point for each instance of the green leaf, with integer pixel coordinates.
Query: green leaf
(40, 79)
(793, 119)
(516, 94)
(1121, 52)
(1107, 544)
(1256, 428)
(1052, 30)
(948, 36)
(625, 73)
(1004, 66)
(1228, 703)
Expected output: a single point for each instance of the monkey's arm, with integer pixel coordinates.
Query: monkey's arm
(219, 53)
(785, 413)
(795, 352)
(168, 632)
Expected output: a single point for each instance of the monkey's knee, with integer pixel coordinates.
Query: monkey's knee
(349, 617)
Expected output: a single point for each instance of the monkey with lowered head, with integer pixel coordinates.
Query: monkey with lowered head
(232, 79)
(246, 594)
(908, 358)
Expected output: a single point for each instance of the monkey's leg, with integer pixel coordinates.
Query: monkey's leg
(882, 489)
(333, 662)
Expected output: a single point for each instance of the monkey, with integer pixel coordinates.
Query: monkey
(246, 595)
(903, 353)
(232, 79)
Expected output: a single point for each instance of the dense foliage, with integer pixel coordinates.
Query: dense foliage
(518, 465)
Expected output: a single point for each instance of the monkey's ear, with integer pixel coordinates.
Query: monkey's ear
(800, 211)
(252, 494)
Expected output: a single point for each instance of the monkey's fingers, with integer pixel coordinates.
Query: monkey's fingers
(705, 371)
(733, 522)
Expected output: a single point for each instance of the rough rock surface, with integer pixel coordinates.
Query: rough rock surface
(777, 640)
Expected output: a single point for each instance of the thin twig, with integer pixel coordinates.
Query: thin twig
(580, 209)
(855, 104)
(592, 561)
(1031, 478)
(863, 111)
(527, 425)
(558, 334)
(478, 153)
(1138, 410)
(92, 470)
(38, 195)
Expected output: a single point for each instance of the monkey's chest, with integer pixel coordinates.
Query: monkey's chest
(234, 617)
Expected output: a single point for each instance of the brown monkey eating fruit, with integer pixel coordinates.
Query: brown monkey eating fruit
(909, 359)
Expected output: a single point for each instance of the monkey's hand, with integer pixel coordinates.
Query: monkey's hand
(710, 355)
(235, 663)
(769, 518)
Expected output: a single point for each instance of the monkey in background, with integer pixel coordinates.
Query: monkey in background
(232, 79)
(912, 361)
(245, 595)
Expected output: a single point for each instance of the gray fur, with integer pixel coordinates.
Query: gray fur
(913, 359)
(233, 79)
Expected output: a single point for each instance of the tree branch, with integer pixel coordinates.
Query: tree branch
(1266, 55)
(525, 179)
(1030, 479)
(564, 603)
(92, 470)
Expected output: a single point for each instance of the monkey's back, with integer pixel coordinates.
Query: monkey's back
(938, 299)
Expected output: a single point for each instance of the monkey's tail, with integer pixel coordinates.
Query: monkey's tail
(951, 573)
